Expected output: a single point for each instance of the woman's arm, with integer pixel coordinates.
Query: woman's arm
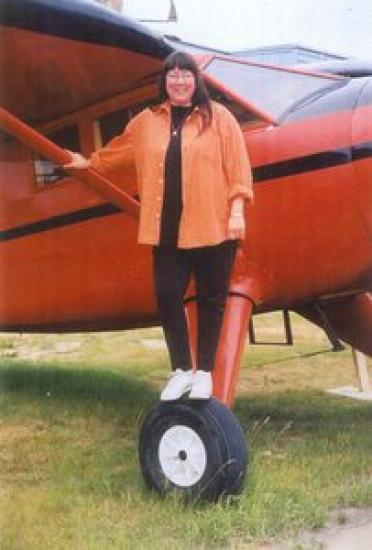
(117, 153)
(238, 173)
(235, 157)
(236, 222)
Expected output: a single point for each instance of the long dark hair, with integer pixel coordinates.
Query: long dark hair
(184, 61)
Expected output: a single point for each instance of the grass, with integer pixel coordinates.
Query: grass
(70, 411)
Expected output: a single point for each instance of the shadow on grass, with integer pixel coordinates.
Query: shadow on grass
(77, 385)
(311, 410)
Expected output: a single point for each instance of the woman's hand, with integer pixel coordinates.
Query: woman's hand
(236, 222)
(236, 226)
(77, 161)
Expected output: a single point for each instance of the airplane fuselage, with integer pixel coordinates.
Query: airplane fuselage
(71, 260)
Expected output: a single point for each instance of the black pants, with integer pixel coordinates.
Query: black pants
(173, 267)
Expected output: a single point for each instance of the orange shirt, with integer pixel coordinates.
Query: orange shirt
(215, 169)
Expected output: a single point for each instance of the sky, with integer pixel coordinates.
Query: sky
(337, 26)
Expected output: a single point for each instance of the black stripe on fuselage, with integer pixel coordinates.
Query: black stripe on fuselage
(317, 161)
(299, 165)
(361, 151)
(59, 221)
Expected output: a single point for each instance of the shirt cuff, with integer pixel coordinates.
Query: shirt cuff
(241, 190)
(97, 164)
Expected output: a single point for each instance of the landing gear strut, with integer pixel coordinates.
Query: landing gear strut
(194, 447)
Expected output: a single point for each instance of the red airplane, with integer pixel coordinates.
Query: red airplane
(72, 74)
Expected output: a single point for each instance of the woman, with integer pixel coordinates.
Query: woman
(193, 175)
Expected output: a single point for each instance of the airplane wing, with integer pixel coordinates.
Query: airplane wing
(59, 56)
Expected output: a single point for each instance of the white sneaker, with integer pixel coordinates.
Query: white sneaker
(179, 383)
(202, 385)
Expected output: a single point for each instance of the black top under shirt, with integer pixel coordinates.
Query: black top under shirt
(172, 199)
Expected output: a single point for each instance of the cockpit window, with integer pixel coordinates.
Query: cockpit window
(272, 90)
(241, 113)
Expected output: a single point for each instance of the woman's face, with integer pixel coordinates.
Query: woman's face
(180, 86)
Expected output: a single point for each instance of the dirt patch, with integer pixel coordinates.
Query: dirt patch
(30, 346)
(57, 348)
(14, 434)
(154, 343)
(21, 458)
(346, 529)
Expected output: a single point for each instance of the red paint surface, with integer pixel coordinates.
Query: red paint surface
(309, 234)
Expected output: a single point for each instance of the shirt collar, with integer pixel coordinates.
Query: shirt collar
(165, 107)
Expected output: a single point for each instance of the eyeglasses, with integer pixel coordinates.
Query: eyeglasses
(183, 75)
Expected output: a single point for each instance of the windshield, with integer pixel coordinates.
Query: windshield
(272, 90)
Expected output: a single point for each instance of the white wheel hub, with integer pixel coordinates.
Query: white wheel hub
(182, 456)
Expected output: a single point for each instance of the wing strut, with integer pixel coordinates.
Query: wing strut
(33, 139)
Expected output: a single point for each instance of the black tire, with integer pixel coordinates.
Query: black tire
(210, 433)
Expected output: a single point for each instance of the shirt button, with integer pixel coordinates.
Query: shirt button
(157, 216)
(158, 198)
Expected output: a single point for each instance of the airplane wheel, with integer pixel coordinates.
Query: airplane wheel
(196, 448)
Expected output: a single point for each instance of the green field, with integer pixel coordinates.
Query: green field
(70, 411)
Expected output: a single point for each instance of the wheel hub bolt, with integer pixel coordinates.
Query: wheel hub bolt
(182, 455)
